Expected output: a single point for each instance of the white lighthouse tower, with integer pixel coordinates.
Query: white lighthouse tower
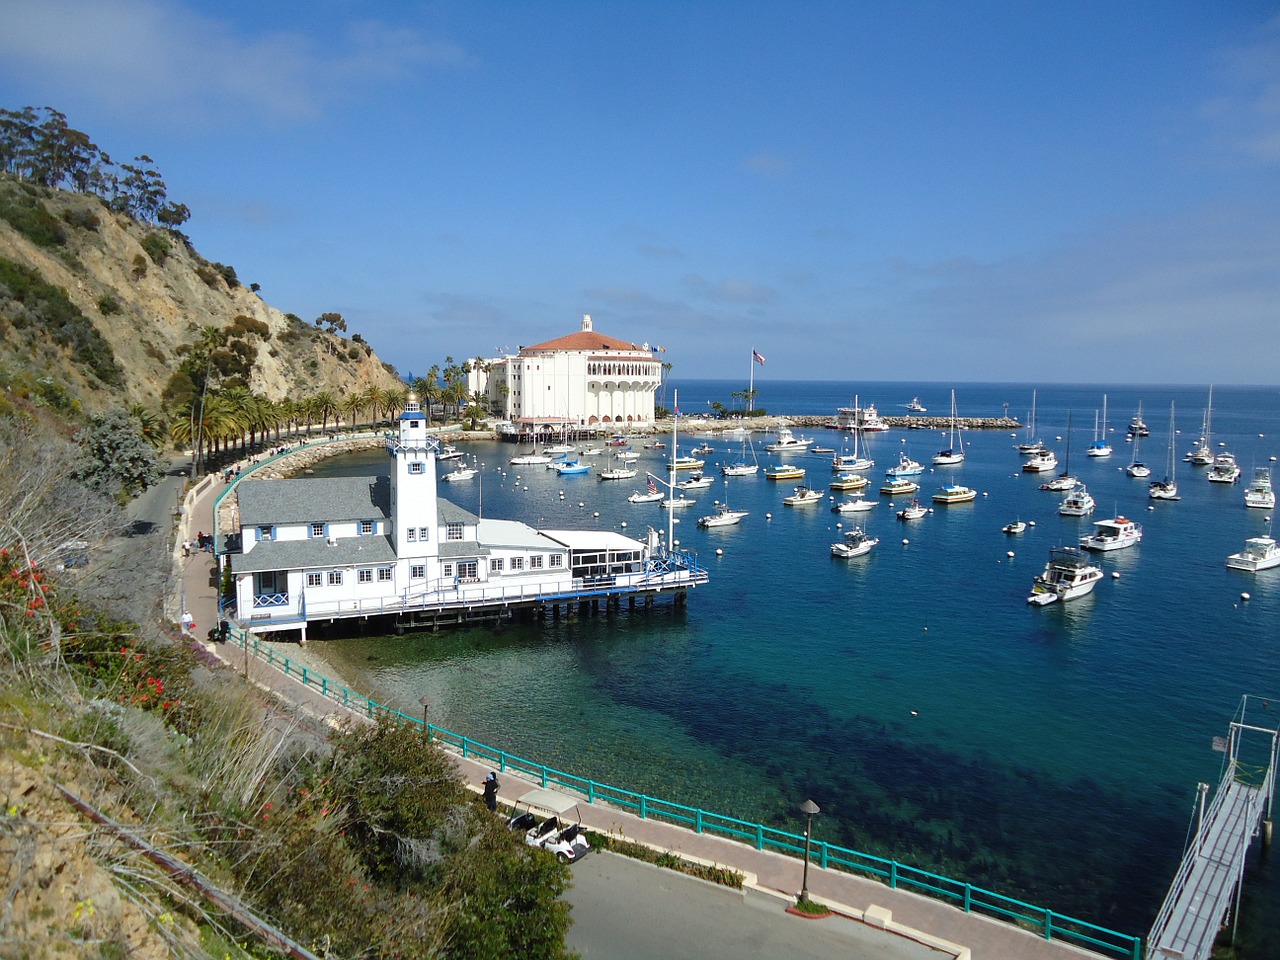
(414, 515)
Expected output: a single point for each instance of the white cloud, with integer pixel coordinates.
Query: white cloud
(1246, 112)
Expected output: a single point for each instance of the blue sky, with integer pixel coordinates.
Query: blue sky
(1079, 192)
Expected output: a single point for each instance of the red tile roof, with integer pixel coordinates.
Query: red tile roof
(585, 340)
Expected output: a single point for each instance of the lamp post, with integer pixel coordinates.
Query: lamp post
(426, 706)
(809, 809)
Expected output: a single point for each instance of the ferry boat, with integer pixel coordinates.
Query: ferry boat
(866, 419)
(1224, 469)
(1113, 534)
(1040, 461)
(856, 543)
(912, 511)
(788, 442)
(955, 493)
(899, 486)
(1066, 576)
(1259, 553)
(857, 504)
(784, 471)
(1260, 493)
(1078, 503)
(802, 496)
(849, 481)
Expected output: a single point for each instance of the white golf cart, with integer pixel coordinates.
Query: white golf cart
(555, 832)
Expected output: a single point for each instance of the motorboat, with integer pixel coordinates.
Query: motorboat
(1167, 489)
(695, 482)
(1015, 528)
(653, 495)
(955, 493)
(803, 496)
(913, 511)
(899, 486)
(1078, 503)
(955, 449)
(617, 473)
(1114, 534)
(1224, 469)
(448, 452)
(915, 406)
(703, 450)
(655, 445)
(858, 504)
(723, 517)
(1067, 576)
(590, 451)
(1138, 426)
(460, 473)
(529, 459)
(1260, 493)
(848, 481)
(906, 467)
(856, 543)
(1061, 482)
(1040, 461)
(687, 463)
(784, 471)
(788, 442)
(1100, 447)
(823, 450)
(678, 503)
(617, 440)
(569, 467)
(627, 456)
(560, 449)
(1259, 553)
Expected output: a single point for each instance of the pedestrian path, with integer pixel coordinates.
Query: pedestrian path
(899, 913)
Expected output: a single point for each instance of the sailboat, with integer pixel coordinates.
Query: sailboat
(741, 468)
(1202, 454)
(1100, 447)
(1136, 467)
(857, 461)
(1138, 426)
(1166, 489)
(1032, 446)
(1064, 480)
(955, 452)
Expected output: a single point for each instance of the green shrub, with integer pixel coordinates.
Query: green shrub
(157, 247)
(139, 266)
(82, 219)
(26, 214)
(108, 305)
(208, 274)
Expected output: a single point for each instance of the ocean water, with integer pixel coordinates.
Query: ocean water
(1050, 754)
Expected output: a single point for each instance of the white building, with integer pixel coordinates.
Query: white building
(357, 547)
(584, 379)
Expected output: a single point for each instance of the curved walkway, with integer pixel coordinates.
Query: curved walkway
(896, 913)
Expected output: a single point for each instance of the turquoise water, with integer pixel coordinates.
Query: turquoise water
(1049, 754)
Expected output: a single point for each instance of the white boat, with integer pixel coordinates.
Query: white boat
(849, 481)
(1167, 489)
(1078, 503)
(617, 473)
(1114, 534)
(1259, 553)
(448, 452)
(899, 486)
(1224, 469)
(741, 468)
(529, 459)
(788, 442)
(803, 496)
(913, 511)
(858, 504)
(723, 517)
(955, 493)
(955, 448)
(696, 482)
(678, 503)
(627, 456)
(1066, 576)
(784, 471)
(1260, 492)
(559, 449)
(906, 467)
(856, 543)
(1201, 455)
(1136, 467)
(687, 463)
(1138, 426)
(591, 451)
(460, 473)
(1064, 480)
(1100, 447)
(915, 406)
(861, 418)
(703, 450)
(1032, 446)
(856, 462)
(1015, 528)
(1040, 461)
(652, 496)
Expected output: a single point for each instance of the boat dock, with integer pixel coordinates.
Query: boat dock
(1199, 903)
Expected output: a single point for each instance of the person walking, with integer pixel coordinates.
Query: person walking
(491, 792)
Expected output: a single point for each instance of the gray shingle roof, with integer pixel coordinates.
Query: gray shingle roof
(312, 500)
(315, 554)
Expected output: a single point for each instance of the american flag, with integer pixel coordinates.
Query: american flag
(653, 487)
(757, 357)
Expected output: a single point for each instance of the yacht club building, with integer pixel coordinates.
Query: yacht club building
(328, 549)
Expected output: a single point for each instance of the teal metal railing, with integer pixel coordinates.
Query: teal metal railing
(897, 876)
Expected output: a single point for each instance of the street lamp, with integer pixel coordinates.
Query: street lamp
(809, 809)
(426, 706)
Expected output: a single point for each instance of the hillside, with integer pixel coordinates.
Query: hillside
(132, 297)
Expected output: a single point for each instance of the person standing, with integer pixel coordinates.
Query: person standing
(491, 792)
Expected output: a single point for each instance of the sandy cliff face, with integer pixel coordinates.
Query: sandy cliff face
(162, 307)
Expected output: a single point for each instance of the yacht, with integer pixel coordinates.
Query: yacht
(899, 486)
(858, 504)
(1061, 482)
(849, 481)
(906, 467)
(1259, 553)
(678, 502)
(915, 406)
(695, 482)
(740, 467)
(856, 462)
(784, 471)
(1224, 469)
(1260, 493)
(1078, 503)
(912, 511)
(865, 418)
(460, 473)
(856, 543)
(1138, 426)
(687, 463)
(1066, 576)
(955, 493)
(802, 496)
(1040, 461)
(723, 517)
(448, 452)
(1114, 534)
(788, 442)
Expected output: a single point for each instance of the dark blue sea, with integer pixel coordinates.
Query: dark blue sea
(1050, 754)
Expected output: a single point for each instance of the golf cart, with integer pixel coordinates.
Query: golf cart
(566, 840)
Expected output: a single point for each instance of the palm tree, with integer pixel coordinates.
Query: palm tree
(150, 425)
(351, 405)
(325, 407)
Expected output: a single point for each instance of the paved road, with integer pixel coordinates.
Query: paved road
(624, 909)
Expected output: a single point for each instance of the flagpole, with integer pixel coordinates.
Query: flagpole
(751, 385)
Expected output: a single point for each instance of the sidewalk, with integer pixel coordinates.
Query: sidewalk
(899, 913)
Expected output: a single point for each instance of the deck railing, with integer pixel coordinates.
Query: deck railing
(897, 876)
